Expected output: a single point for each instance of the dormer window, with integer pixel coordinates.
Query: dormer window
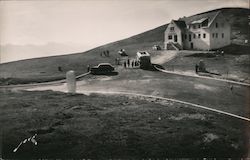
(204, 23)
(171, 28)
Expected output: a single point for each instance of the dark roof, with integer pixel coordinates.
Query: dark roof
(180, 24)
(209, 15)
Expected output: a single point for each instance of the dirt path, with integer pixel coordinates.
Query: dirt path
(164, 57)
(105, 91)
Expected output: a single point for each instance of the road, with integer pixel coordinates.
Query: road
(193, 90)
(190, 90)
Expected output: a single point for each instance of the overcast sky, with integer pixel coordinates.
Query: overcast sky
(95, 22)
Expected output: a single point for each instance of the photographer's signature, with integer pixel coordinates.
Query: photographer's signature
(30, 139)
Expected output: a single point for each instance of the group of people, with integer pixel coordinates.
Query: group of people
(105, 53)
(130, 63)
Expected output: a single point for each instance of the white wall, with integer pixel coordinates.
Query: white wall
(168, 32)
(198, 43)
(223, 27)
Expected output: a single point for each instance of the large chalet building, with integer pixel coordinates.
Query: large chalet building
(206, 31)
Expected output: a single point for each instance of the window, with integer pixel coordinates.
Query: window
(171, 28)
(216, 35)
(213, 35)
(185, 36)
(204, 35)
(199, 35)
(216, 25)
(204, 23)
(169, 36)
(189, 37)
(222, 35)
(194, 36)
(199, 26)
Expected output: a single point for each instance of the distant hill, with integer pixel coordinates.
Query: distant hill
(45, 69)
(19, 52)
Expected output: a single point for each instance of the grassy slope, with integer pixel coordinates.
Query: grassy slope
(31, 69)
(233, 67)
(45, 69)
(98, 126)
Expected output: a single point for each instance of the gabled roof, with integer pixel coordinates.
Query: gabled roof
(199, 18)
(180, 24)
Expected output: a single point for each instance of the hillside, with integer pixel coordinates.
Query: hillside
(46, 69)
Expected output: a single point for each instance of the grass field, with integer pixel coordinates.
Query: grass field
(229, 66)
(99, 126)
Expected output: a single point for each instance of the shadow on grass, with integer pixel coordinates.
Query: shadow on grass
(152, 67)
(203, 55)
(211, 73)
(107, 73)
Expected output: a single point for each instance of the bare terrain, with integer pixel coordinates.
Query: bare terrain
(99, 126)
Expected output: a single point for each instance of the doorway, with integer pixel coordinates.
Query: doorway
(175, 38)
(191, 45)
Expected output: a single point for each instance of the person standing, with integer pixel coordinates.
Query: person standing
(196, 68)
(231, 88)
(222, 53)
(88, 68)
(133, 64)
(128, 62)
(125, 64)
(118, 61)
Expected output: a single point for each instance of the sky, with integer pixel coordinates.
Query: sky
(91, 23)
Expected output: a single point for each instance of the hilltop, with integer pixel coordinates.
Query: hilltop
(46, 69)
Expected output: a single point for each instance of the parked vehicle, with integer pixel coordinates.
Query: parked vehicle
(102, 68)
(122, 52)
(156, 47)
(144, 59)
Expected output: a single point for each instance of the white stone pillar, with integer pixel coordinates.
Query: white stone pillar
(71, 81)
